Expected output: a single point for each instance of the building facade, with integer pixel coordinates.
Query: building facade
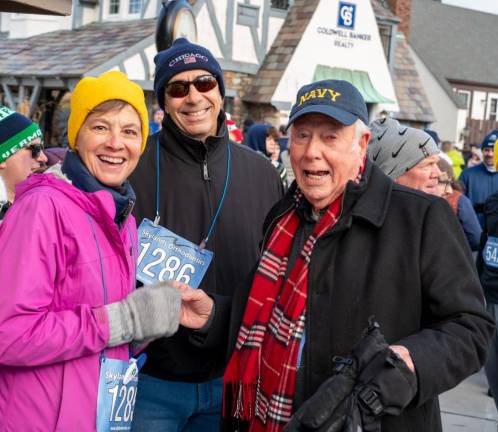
(267, 49)
(457, 59)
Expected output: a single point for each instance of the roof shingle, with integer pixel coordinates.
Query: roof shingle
(281, 51)
(412, 100)
(455, 43)
(71, 53)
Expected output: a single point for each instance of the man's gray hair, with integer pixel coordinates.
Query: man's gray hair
(360, 130)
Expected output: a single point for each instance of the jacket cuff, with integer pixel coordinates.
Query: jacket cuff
(120, 325)
(217, 332)
(205, 328)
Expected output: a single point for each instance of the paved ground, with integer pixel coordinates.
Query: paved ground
(468, 408)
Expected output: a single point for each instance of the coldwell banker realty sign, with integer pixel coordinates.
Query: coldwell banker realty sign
(341, 39)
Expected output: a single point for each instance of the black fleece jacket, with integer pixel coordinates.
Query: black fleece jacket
(192, 177)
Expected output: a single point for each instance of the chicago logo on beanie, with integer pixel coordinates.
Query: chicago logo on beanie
(188, 58)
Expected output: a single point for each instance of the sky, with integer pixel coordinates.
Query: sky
(490, 6)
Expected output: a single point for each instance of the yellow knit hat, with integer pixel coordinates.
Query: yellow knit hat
(90, 92)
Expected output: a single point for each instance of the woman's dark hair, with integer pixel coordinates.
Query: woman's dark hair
(445, 167)
(272, 132)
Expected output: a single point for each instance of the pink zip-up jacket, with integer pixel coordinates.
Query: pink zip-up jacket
(52, 331)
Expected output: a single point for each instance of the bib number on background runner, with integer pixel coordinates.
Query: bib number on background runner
(165, 255)
(490, 252)
(116, 400)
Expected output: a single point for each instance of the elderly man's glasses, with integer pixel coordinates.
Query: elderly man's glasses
(179, 89)
(36, 149)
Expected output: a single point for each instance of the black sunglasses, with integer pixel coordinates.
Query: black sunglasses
(36, 149)
(179, 89)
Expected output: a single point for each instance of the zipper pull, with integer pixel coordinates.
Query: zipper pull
(205, 171)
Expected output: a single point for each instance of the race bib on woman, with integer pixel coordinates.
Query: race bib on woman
(117, 395)
(165, 255)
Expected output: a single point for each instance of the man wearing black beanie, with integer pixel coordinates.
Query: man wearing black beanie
(210, 192)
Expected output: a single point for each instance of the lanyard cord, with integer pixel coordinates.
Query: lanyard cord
(100, 258)
(102, 354)
(220, 205)
(158, 186)
(133, 258)
(222, 199)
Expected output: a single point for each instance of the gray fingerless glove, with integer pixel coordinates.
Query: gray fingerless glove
(146, 314)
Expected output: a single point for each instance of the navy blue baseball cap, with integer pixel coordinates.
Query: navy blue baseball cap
(490, 139)
(334, 98)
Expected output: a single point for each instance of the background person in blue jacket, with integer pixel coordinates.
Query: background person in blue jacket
(481, 180)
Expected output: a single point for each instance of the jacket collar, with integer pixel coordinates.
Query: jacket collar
(370, 199)
(124, 197)
(187, 148)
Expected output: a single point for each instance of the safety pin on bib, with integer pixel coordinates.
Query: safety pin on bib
(131, 372)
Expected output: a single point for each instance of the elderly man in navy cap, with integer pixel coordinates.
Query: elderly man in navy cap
(202, 190)
(344, 244)
(481, 180)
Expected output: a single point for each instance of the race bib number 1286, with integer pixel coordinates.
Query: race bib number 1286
(164, 255)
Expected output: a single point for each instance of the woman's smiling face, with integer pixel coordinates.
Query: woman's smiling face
(109, 144)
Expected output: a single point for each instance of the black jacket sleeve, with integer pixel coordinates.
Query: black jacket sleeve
(217, 332)
(456, 330)
(229, 311)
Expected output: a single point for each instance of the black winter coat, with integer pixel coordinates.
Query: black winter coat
(401, 256)
(488, 273)
(192, 177)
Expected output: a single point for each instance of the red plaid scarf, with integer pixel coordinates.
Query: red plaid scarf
(261, 374)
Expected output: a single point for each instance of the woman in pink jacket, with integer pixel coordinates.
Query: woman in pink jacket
(68, 249)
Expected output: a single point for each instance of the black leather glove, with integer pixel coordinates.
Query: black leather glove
(332, 408)
(385, 386)
(369, 383)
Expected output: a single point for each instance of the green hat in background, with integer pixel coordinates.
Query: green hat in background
(16, 132)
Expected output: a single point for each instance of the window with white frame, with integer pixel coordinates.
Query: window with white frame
(280, 4)
(135, 6)
(493, 105)
(464, 96)
(114, 7)
(386, 38)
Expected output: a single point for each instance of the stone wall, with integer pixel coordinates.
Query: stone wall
(240, 111)
(239, 82)
(262, 113)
